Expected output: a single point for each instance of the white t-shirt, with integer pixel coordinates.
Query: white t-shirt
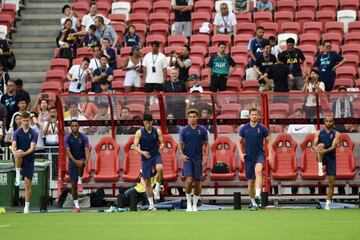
(159, 61)
(81, 75)
(196, 88)
(276, 50)
(79, 118)
(95, 63)
(299, 128)
(40, 141)
(90, 20)
(51, 137)
(311, 98)
(225, 21)
(74, 22)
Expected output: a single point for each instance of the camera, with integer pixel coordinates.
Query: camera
(172, 52)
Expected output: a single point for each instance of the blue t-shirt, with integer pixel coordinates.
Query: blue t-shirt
(77, 145)
(327, 139)
(112, 60)
(149, 142)
(132, 40)
(254, 138)
(221, 64)
(264, 6)
(193, 140)
(90, 41)
(325, 64)
(255, 46)
(24, 139)
(96, 86)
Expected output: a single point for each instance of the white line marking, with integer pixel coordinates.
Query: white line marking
(5, 226)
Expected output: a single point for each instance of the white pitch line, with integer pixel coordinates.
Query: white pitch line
(5, 226)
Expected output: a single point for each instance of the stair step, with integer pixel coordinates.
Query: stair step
(34, 57)
(32, 51)
(33, 39)
(35, 33)
(39, 76)
(31, 65)
(41, 21)
(53, 27)
(41, 5)
(27, 16)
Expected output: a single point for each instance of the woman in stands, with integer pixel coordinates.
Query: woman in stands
(132, 66)
(311, 86)
(12, 129)
(66, 40)
(131, 38)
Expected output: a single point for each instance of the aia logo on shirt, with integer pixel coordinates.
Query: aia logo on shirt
(199, 131)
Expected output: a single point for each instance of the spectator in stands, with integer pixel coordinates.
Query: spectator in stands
(327, 62)
(4, 78)
(292, 57)
(90, 40)
(103, 72)
(154, 69)
(182, 62)
(89, 19)
(171, 129)
(125, 129)
(219, 66)
(44, 114)
(103, 114)
(206, 114)
(86, 108)
(264, 5)
(132, 66)
(131, 38)
(3, 119)
(195, 81)
(105, 31)
(9, 101)
(264, 62)
(50, 130)
(342, 107)
(78, 75)
(13, 127)
(75, 115)
(109, 53)
(105, 86)
(312, 85)
(69, 13)
(35, 125)
(5, 53)
(95, 61)
(22, 106)
(275, 48)
(351, 128)
(225, 21)
(183, 9)
(67, 41)
(256, 45)
(174, 84)
(20, 92)
(240, 6)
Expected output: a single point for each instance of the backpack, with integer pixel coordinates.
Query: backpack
(97, 198)
(221, 167)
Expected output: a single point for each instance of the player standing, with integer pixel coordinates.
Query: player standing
(151, 144)
(23, 146)
(77, 150)
(252, 135)
(192, 139)
(325, 143)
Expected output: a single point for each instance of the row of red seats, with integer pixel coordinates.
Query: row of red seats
(284, 167)
(8, 15)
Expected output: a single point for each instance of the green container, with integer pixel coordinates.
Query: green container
(7, 181)
(40, 185)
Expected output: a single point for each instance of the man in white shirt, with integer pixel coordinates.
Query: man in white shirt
(225, 21)
(70, 13)
(95, 61)
(275, 48)
(89, 19)
(75, 114)
(300, 128)
(154, 66)
(78, 74)
(50, 131)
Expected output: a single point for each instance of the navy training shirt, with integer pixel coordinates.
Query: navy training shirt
(149, 142)
(254, 138)
(77, 145)
(24, 139)
(193, 140)
(327, 139)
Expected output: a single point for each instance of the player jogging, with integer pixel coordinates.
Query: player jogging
(252, 135)
(77, 150)
(151, 144)
(325, 143)
(192, 139)
(23, 146)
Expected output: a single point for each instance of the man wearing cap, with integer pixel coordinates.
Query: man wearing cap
(151, 144)
(219, 66)
(196, 88)
(327, 62)
(154, 69)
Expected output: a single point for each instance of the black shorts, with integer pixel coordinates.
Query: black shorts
(218, 83)
(153, 87)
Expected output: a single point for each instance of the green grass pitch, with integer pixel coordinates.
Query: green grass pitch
(225, 224)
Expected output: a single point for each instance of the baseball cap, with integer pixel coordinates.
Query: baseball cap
(193, 77)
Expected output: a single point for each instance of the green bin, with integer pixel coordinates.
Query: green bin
(7, 181)
(40, 183)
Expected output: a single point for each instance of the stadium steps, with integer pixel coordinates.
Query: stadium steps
(34, 42)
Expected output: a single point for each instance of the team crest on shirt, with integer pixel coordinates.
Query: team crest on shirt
(79, 141)
(331, 136)
(258, 130)
(199, 132)
(154, 135)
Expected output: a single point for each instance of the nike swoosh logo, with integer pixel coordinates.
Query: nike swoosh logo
(298, 129)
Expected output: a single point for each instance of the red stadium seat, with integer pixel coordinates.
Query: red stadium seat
(313, 27)
(199, 40)
(125, 51)
(176, 40)
(330, 5)
(335, 38)
(177, 49)
(250, 85)
(351, 60)
(162, 7)
(138, 18)
(200, 17)
(81, 8)
(87, 170)
(279, 108)
(103, 8)
(141, 30)
(155, 18)
(308, 49)
(290, 27)
(136, 109)
(346, 72)
(9, 8)
(307, 5)
(349, 5)
(286, 5)
(62, 64)
(159, 29)
(242, 39)
(117, 18)
(6, 19)
(283, 16)
(309, 39)
(303, 17)
(309, 164)
(52, 87)
(270, 28)
(119, 75)
(152, 38)
(84, 52)
(231, 108)
(107, 160)
(246, 28)
(223, 150)
(118, 86)
(169, 158)
(334, 27)
(349, 83)
(345, 162)
(284, 166)
(354, 27)
(226, 129)
(132, 162)
(260, 17)
(239, 51)
(241, 61)
(198, 51)
(221, 38)
(243, 17)
(325, 16)
(55, 76)
(352, 38)
(141, 7)
(203, 6)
